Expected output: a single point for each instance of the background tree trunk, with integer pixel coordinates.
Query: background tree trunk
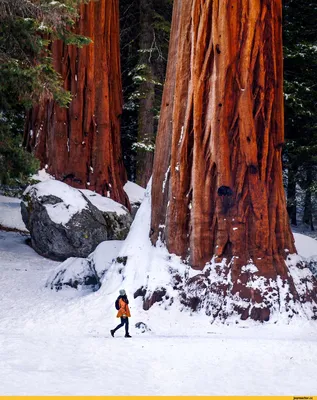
(291, 194)
(217, 182)
(146, 134)
(308, 207)
(81, 145)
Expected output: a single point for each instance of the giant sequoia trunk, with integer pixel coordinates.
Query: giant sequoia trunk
(81, 145)
(217, 189)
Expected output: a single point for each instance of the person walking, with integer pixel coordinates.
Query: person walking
(122, 305)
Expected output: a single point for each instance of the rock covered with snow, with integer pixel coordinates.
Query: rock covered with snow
(66, 222)
(77, 273)
(85, 273)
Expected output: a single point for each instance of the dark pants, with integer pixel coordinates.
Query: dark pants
(124, 321)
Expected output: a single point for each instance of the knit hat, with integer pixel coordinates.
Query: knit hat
(122, 292)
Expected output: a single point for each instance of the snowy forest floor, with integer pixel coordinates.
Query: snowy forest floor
(58, 343)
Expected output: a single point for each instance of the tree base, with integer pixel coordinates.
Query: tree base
(253, 297)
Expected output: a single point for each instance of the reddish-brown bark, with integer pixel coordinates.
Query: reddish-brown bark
(217, 182)
(81, 144)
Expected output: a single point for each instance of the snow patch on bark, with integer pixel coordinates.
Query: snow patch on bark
(166, 178)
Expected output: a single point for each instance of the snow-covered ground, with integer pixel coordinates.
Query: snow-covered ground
(58, 343)
(10, 214)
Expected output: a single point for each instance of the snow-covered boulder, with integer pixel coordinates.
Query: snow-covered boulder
(77, 273)
(65, 222)
(85, 273)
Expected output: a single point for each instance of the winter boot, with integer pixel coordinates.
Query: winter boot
(112, 332)
(127, 335)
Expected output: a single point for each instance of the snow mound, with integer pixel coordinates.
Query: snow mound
(305, 245)
(104, 255)
(134, 192)
(140, 265)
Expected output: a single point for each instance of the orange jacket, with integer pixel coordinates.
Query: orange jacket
(124, 309)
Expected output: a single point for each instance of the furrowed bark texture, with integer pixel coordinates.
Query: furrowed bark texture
(81, 144)
(217, 181)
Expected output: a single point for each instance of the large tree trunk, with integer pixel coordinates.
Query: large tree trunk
(81, 145)
(217, 182)
(146, 134)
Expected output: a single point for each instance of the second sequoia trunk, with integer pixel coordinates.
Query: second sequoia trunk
(81, 145)
(217, 184)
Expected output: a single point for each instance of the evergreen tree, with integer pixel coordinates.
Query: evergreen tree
(145, 29)
(300, 59)
(27, 30)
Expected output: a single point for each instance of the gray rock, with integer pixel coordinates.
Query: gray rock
(25, 215)
(134, 209)
(142, 327)
(70, 225)
(118, 226)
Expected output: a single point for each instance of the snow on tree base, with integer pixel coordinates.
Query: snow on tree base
(254, 296)
(211, 291)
